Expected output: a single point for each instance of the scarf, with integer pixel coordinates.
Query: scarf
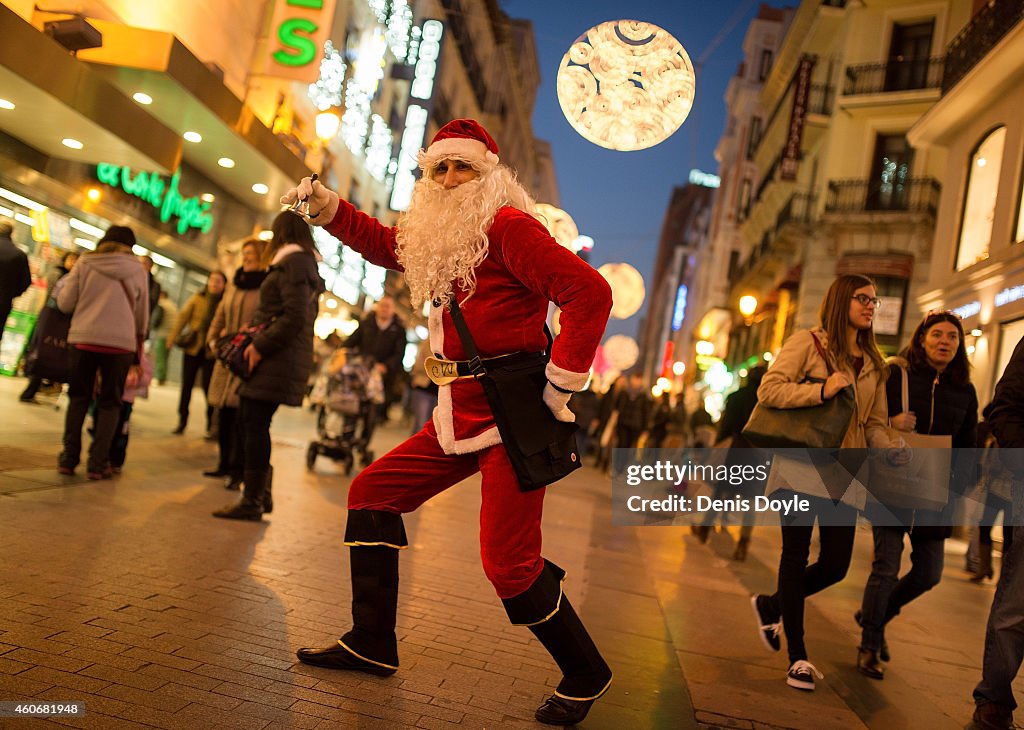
(249, 279)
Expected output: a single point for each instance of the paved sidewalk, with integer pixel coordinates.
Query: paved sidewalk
(128, 596)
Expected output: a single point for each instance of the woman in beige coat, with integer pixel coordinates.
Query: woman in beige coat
(847, 339)
(234, 312)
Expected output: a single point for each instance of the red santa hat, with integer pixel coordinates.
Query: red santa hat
(465, 139)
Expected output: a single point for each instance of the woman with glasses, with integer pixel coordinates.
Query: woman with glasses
(942, 402)
(800, 378)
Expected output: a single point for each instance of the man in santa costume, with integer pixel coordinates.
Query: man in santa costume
(469, 235)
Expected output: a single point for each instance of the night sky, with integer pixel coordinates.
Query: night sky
(619, 198)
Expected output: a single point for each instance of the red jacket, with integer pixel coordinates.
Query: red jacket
(524, 270)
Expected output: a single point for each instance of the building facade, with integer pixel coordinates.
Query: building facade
(841, 188)
(712, 317)
(664, 336)
(213, 109)
(976, 132)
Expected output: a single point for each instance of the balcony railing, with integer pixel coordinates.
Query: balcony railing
(798, 209)
(978, 37)
(915, 194)
(896, 75)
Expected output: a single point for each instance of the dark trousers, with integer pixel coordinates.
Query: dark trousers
(113, 369)
(256, 417)
(192, 366)
(229, 437)
(797, 579)
(886, 593)
(1004, 635)
(119, 446)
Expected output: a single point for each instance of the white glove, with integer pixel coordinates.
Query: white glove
(558, 402)
(322, 203)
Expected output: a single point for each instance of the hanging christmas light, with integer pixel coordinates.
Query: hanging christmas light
(626, 85)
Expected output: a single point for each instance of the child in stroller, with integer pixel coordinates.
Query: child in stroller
(346, 393)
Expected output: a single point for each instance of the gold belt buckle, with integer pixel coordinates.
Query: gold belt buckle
(442, 372)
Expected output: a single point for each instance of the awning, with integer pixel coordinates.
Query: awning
(189, 96)
(57, 97)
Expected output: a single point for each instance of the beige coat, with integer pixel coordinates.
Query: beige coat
(234, 312)
(782, 388)
(194, 315)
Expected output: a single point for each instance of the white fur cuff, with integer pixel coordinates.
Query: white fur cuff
(566, 379)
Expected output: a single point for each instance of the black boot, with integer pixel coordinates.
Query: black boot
(370, 646)
(250, 507)
(546, 611)
(268, 498)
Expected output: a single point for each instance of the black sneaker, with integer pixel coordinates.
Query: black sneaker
(768, 627)
(801, 675)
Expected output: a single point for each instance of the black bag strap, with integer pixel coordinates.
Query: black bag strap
(476, 367)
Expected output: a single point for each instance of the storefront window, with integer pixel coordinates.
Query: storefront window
(980, 201)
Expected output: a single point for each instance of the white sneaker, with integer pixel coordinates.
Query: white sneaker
(801, 675)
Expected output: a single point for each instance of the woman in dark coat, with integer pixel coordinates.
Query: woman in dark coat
(280, 357)
(942, 402)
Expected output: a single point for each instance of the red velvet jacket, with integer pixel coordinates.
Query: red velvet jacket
(524, 270)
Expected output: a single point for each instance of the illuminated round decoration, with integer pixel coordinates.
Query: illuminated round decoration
(560, 224)
(627, 289)
(620, 352)
(626, 85)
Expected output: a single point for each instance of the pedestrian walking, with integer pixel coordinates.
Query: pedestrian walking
(107, 296)
(607, 418)
(423, 391)
(633, 405)
(15, 275)
(584, 404)
(1004, 635)
(236, 310)
(846, 338)
(738, 407)
(468, 238)
(33, 352)
(993, 497)
(942, 402)
(280, 357)
(136, 386)
(164, 317)
(381, 337)
(189, 333)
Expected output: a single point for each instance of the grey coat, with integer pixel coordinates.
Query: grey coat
(288, 301)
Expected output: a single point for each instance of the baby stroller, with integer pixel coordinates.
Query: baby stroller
(345, 395)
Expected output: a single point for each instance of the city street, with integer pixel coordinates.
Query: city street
(128, 596)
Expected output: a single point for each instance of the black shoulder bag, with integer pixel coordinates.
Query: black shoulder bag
(542, 449)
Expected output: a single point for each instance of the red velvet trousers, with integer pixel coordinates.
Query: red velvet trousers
(417, 469)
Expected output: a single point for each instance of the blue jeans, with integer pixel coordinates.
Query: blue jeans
(886, 593)
(1004, 636)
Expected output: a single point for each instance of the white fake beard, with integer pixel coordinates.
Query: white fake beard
(442, 238)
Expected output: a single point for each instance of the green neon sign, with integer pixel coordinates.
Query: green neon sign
(295, 34)
(151, 187)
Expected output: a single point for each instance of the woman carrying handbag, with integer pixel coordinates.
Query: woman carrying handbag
(235, 311)
(932, 377)
(813, 367)
(280, 357)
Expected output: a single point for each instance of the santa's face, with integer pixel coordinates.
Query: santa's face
(452, 173)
